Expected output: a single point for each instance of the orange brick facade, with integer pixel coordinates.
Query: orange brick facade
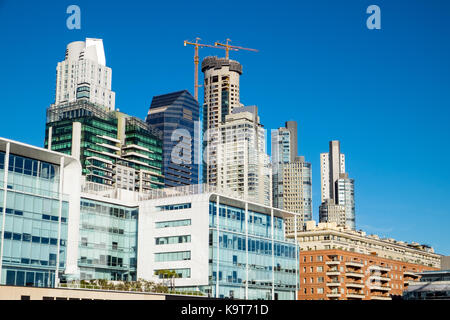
(343, 275)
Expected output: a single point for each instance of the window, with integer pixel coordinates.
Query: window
(174, 207)
(320, 290)
(173, 239)
(174, 223)
(180, 273)
(173, 256)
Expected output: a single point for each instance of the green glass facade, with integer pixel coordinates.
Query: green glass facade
(144, 152)
(103, 145)
(33, 230)
(108, 241)
(93, 144)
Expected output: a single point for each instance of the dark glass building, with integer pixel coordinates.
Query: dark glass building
(177, 116)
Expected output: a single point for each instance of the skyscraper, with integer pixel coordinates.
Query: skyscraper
(292, 175)
(243, 165)
(221, 96)
(297, 191)
(114, 149)
(336, 187)
(176, 114)
(284, 150)
(84, 74)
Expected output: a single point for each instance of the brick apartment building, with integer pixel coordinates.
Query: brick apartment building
(342, 264)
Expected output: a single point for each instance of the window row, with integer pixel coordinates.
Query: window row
(173, 239)
(172, 256)
(174, 223)
(30, 238)
(174, 207)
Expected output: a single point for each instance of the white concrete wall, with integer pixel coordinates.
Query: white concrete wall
(199, 245)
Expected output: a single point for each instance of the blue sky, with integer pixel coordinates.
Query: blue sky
(385, 94)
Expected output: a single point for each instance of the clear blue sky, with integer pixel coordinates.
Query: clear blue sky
(385, 94)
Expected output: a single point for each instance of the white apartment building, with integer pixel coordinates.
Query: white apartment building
(84, 75)
(243, 164)
(336, 187)
(221, 96)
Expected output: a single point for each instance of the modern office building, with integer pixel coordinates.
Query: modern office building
(336, 187)
(292, 175)
(176, 115)
(221, 96)
(178, 230)
(343, 264)
(57, 228)
(432, 285)
(39, 196)
(223, 246)
(84, 74)
(281, 147)
(297, 191)
(114, 149)
(108, 238)
(243, 165)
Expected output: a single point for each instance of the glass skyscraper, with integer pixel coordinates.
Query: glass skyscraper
(176, 114)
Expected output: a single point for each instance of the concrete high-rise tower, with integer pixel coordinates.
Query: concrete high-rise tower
(291, 178)
(291, 126)
(336, 188)
(243, 165)
(83, 75)
(221, 96)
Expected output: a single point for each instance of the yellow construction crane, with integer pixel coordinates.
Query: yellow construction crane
(196, 60)
(228, 47)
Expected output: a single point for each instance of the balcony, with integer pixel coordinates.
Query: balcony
(333, 284)
(333, 272)
(332, 263)
(380, 297)
(354, 274)
(354, 264)
(411, 274)
(333, 295)
(355, 295)
(379, 268)
(355, 284)
(380, 278)
(380, 288)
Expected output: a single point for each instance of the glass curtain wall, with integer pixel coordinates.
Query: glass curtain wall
(30, 239)
(263, 270)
